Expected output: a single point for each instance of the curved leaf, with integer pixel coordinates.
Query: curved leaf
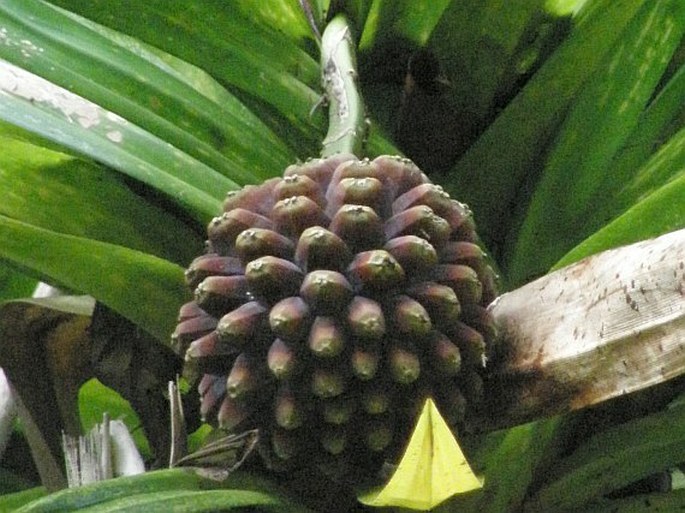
(601, 328)
(659, 211)
(259, 63)
(64, 194)
(185, 487)
(596, 128)
(145, 289)
(492, 174)
(43, 108)
(615, 458)
(191, 501)
(154, 90)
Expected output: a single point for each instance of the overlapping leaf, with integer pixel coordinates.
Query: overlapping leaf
(38, 106)
(613, 459)
(597, 126)
(146, 289)
(629, 175)
(174, 125)
(61, 193)
(275, 72)
(162, 95)
(659, 210)
(646, 185)
(498, 172)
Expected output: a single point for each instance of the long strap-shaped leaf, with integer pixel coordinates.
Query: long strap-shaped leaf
(588, 142)
(54, 113)
(121, 278)
(159, 93)
(230, 43)
(611, 324)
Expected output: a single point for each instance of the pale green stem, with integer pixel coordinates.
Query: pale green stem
(347, 123)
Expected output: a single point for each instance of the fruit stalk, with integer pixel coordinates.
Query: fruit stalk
(347, 122)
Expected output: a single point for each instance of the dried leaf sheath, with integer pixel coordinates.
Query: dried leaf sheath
(611, 324)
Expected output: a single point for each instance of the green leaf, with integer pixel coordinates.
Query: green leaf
(613, 459)
(406, 20)
(64, 194)
(143, 288)
(254, 61)
(285, 16)
(564, 7)
(379, 144)
(485, 52)
(95, 399)
(56, 114)
(13, 501)
(191, 501)
(661, 209)
(641, 175)
(656, 131)
(159, 93)
(512, 465)
(596, 128)
(642, 503)
(14, 285)
(508, 155)
(71, 499)
(160, 490)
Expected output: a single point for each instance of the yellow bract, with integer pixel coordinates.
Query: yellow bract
(432, 469)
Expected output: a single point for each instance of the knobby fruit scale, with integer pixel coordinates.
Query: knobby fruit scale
(332, 301)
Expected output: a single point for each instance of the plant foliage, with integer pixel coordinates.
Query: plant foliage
(123, 125)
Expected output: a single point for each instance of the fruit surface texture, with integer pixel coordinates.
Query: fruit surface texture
(330, 303)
